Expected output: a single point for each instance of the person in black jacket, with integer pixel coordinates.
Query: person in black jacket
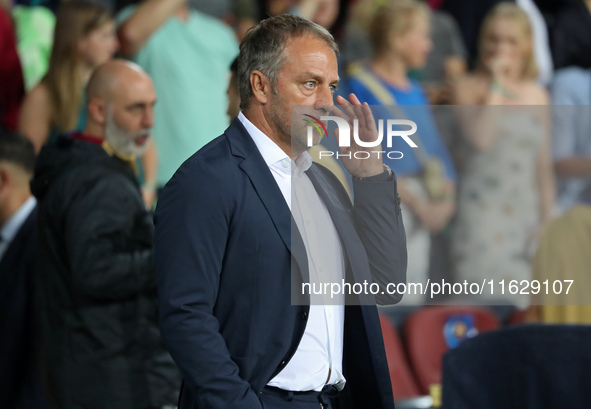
(100, 345)
(20, 384)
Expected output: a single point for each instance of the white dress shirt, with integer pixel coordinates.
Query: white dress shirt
(320, 350)
(10, 229)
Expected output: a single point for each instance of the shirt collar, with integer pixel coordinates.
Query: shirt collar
(302, 163)
(14, 223)
(272, 154)
(87, 138)
(128, 159)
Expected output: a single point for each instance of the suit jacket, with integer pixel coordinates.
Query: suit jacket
(227, 258)
(20, 383)
(534, 366)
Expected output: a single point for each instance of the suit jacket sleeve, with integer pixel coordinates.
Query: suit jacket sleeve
(107, 262)
(192, 222)
(378, 221)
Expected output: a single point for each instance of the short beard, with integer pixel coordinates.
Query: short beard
(289, 133)
(121, 140)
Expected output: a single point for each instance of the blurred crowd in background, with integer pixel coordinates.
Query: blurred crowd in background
(500, 187)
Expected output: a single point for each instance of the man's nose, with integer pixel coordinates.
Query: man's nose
(325, 98)
(148, 119)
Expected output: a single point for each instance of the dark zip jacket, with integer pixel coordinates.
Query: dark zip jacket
(97, 303)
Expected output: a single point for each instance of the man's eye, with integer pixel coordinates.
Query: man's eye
(332, 88)
(309, 84)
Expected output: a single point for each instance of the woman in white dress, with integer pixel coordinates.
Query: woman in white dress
(506, 184)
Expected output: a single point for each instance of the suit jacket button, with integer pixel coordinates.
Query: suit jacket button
(304, 315)
(282, 363)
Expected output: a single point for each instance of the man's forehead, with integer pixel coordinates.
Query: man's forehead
(308, 42)
(312, 54)
(135, 90)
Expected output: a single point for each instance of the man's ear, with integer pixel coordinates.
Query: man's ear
(97, 110)
(261, 86)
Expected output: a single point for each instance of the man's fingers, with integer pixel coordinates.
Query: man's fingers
(368, 115)
(347, 108)
(336, 111)
(354, 109)
(357, 107)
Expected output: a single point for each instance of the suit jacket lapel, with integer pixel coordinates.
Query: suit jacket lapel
(13, 251)
(266, 187)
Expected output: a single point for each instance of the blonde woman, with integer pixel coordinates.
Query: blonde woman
(507, 189)
(84, 38)
(400, 37)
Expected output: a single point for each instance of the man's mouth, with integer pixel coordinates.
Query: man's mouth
(141, 140)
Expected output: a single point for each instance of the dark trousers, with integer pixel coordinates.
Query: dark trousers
(273, 398)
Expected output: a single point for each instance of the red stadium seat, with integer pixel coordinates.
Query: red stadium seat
(427, 343)
(403, 383)
(518, 317)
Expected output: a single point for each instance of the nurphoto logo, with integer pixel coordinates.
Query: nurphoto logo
(393, 129)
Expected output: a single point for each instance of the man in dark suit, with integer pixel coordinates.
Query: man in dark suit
(229, 254)
(20, 384)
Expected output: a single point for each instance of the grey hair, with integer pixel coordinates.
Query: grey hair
(262, 49)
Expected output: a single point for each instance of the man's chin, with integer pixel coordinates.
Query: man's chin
(139, 149)
(301, 144)
(303, 140)
(316, 139)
